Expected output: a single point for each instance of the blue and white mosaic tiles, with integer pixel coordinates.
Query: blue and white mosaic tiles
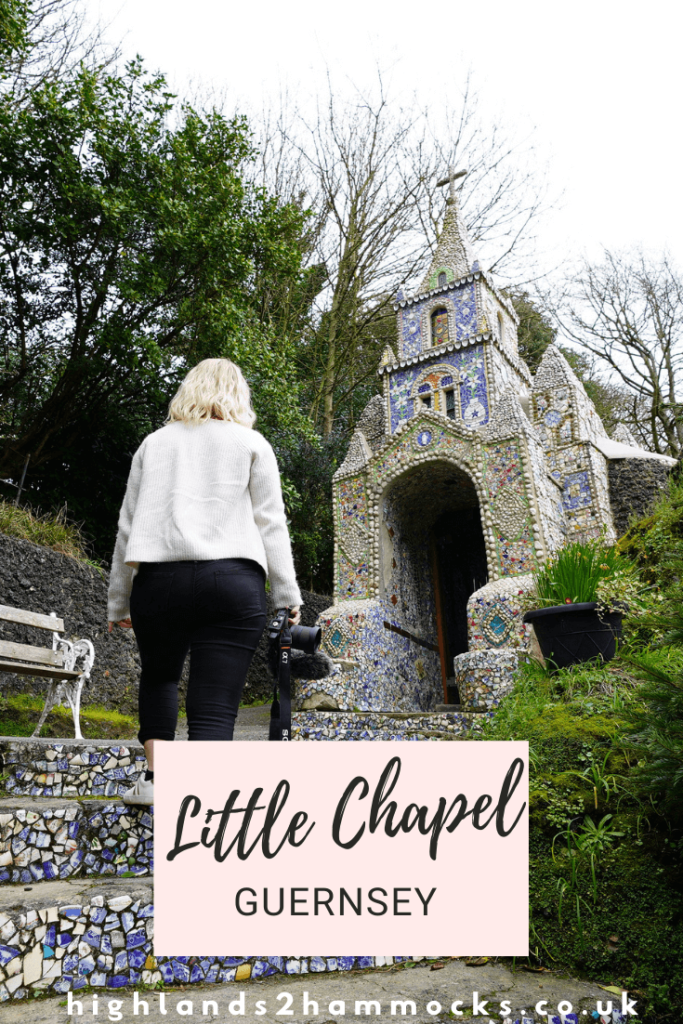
(466, 312)
(577, 491)
(377, 668)
(331, 726)
(40, 842)
(352, 578)
(510, 508)
(353, 538)
(411, 336)
(85, 769)
(568, 428)
(353, 501)
(102, 941)
(419, 331)
(495, 613)
(463, 372)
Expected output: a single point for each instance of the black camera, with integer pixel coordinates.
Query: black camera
(303, 638)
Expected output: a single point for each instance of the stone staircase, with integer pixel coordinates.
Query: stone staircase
(76, 872)
(453, 724)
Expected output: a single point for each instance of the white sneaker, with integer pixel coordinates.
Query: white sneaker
(142, 793)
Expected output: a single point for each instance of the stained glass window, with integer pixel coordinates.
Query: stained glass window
(439, 327)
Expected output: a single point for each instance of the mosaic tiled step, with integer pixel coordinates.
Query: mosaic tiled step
(386, 725)
(43, 839)
(70, 768)
(94, 934)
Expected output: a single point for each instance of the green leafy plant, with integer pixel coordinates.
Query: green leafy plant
(587, 572)
(585, 847)
(601, 780)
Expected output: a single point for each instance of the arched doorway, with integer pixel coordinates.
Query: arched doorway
(433, 555)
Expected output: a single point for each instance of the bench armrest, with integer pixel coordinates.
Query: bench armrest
(79, 650)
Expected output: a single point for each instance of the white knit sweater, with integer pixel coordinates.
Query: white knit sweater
(202, 492)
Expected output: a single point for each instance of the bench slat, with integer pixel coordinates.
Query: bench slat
(50, 622)
(22, 669)
(24, 652)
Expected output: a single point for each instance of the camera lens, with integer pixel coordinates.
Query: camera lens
(306, 638)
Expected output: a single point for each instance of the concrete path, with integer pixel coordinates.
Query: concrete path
(492, 984)
(252, 724)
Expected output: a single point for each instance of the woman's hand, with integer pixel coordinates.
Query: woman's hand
(123, 623)
(294, 615)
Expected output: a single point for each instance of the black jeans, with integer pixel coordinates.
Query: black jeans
(216, 610)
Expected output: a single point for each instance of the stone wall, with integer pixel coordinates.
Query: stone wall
(42, 580)
(634, 486)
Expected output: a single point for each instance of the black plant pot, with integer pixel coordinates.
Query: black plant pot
(571, 633)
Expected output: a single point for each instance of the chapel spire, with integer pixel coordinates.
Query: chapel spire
(454, 255)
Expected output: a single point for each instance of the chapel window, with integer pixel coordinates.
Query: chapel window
(424, 393)
(450, 403)
(443, 279)
(439, 327)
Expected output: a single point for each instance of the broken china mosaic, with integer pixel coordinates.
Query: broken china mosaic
(378, 668)
(463, 371)
(426, 324)
(511, 512)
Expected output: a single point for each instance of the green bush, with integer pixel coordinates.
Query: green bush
(605, 879)
(657, 739)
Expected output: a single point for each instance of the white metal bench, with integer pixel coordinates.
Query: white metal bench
(57, 664)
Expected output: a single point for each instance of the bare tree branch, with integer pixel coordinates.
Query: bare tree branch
(628, 312)
(58, 39)
(367, 170)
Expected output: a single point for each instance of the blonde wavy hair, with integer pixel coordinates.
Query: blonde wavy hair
(213, 389)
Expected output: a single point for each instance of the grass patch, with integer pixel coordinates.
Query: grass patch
(19, 716)
(51, 530)
(606, 885)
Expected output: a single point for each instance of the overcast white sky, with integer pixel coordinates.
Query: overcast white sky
(598, 80)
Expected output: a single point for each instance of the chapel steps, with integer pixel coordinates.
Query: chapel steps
(456, 723)
(62, 816)
(77, 933)
(71, 918)
(88, 935)
(43, 839)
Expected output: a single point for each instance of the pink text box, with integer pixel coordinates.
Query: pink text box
(282, 881)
